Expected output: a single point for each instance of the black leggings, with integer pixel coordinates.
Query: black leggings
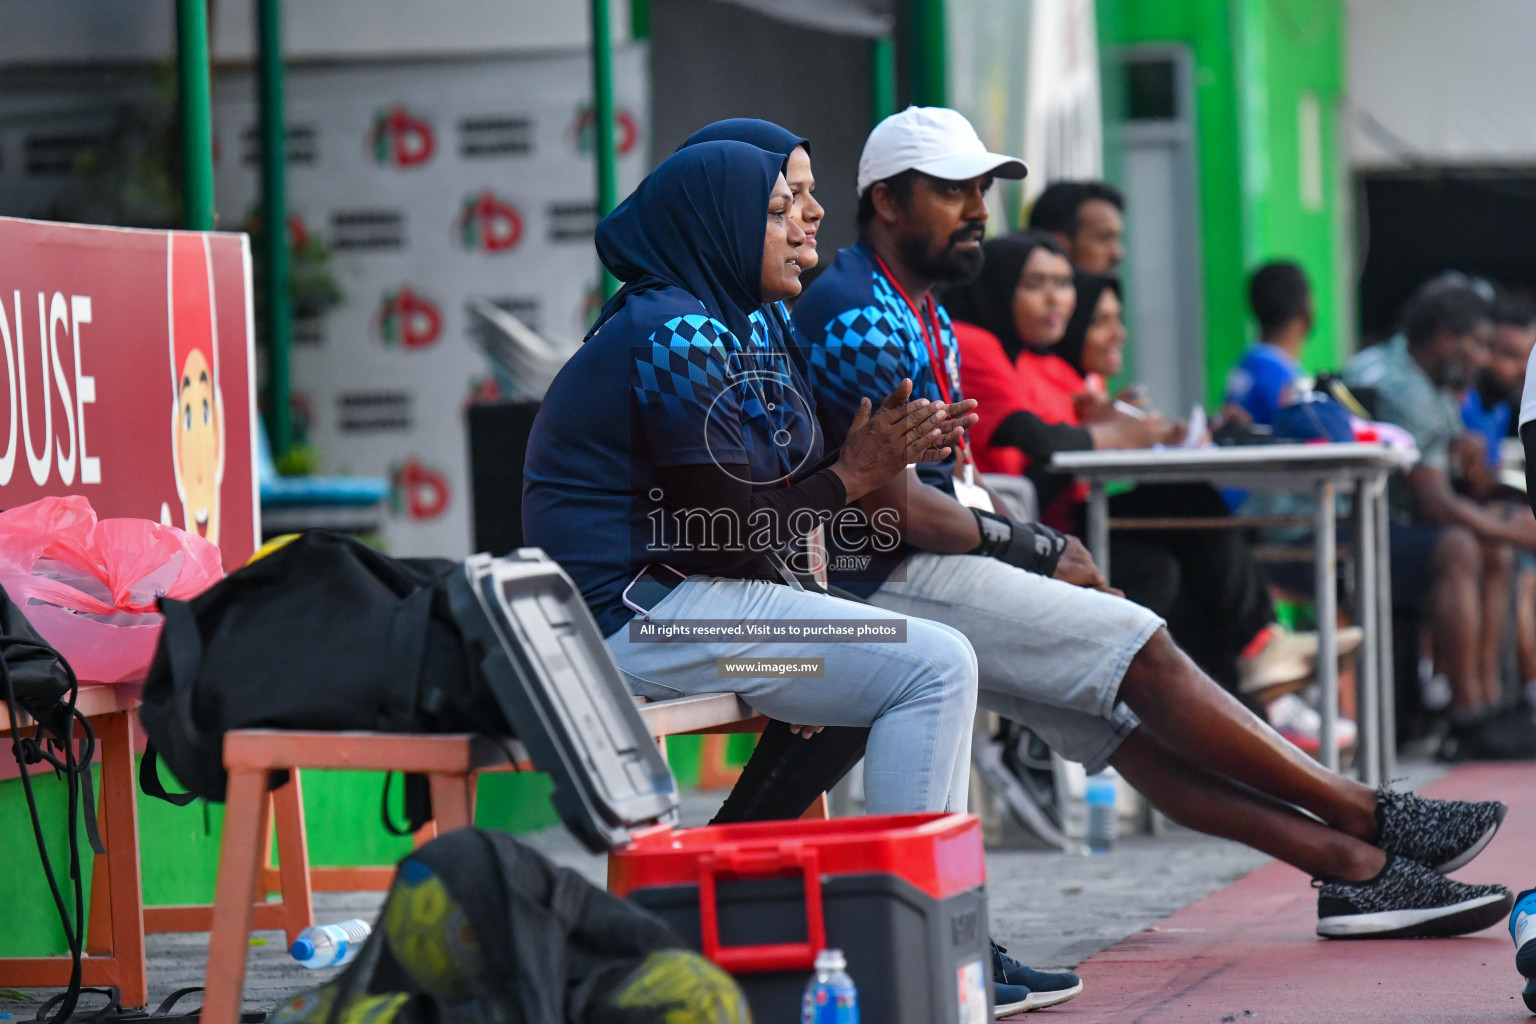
(1205, 583)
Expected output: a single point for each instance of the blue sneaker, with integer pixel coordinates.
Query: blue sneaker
(1040, 988)
(1522, 928)
(1008, 1000)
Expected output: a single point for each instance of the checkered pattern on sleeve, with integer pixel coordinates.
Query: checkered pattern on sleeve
(682, 370)
(866, 353)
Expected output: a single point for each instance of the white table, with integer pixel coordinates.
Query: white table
(1323, 471)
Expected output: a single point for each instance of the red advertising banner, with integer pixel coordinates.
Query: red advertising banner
(128, 375)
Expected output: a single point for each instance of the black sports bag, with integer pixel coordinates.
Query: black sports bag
(328, 634)
(324, 633)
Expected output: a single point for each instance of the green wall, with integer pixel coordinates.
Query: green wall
(179, 846)
(1253, 60)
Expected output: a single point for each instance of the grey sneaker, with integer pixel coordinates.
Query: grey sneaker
(1442, 834)
(1407, 901)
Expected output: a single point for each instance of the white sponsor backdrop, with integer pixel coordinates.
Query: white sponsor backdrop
(432, 183)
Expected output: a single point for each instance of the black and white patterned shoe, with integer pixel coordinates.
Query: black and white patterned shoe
(1407, 901)
(1443, 834)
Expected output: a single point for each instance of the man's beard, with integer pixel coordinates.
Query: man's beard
(1493, 390)
(950, 265)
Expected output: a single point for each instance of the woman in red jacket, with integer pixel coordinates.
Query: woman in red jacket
(1007, 324)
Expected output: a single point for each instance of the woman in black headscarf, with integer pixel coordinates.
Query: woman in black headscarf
(1008, 323)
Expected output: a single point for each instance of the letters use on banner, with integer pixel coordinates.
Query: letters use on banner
(127, 375)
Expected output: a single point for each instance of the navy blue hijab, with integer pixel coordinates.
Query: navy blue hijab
(695, 223)
(775, 139)
(752, 131)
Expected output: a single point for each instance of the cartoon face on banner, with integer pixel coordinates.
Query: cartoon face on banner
(197, 411)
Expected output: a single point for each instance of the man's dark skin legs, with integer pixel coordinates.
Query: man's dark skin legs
(1219, 806)
(1497, 563)
(1248, 770)
(1456, 611)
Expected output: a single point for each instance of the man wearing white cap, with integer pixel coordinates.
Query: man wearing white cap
(1094, 675)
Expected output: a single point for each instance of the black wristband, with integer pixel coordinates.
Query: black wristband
(1031, 546)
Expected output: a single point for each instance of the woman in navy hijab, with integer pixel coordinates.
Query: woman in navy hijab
(773, 318)
(660, 476)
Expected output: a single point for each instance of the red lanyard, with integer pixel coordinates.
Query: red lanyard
(933, 345)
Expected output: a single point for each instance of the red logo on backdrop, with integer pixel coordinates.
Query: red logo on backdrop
(401, 139)
(481, 390)
(106, 332)
(407, 319)
(489, 223)
(416, 491)
(626, 131)
(298, 232)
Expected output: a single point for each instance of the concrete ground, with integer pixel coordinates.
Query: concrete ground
(1049, 909)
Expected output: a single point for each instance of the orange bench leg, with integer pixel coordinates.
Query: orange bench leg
(453, 801)
(240, 859)
(714, 773)
(121, 897)
(98, 926)
(293, 858)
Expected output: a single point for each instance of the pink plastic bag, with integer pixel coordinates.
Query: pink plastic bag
(90, 587)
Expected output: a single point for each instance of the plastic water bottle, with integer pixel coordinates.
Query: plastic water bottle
(1103, 815)
(830, 997)
(330, 945)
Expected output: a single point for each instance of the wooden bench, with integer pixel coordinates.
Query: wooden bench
(712, 715)
(451, 763)
(118, 919)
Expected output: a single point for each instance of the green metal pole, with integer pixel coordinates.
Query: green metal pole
(602, 120)
(927, 54)
(196, 114)
(274, 217)
(882, 78)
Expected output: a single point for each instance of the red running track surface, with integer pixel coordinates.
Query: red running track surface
(1249, 952)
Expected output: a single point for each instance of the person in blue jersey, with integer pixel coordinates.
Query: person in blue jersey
(1269, 377)
(664, 476)
(1094, 675)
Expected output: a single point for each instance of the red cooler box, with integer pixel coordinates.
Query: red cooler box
(903, 897)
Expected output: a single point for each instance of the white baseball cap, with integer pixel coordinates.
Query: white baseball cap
(933, 140)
